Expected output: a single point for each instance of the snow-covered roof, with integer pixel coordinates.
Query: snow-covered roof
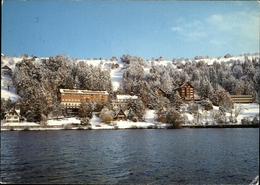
(65, 91)
(126, 96)
(13, 111)
(6, 67)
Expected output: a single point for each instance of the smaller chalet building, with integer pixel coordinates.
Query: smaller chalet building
(121, 101)
(13, 115)
(160, 92)
(120, 115)
(125, 114)
(6, 70)
(186, 91)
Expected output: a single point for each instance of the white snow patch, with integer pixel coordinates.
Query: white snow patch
(215, 107)
(249, 110)
(189, 116)
(94, 120)
(123, 97)
(130, 124)
(20, 124)
(116, 77)
(96, 123)
(150, 116)
(63, 121)
(146, 70)
(5, 94)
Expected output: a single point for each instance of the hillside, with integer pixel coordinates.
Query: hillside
(38, 80)
(116, 73)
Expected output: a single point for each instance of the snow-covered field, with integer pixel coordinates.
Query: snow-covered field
(5, 93)
(96, 123)
(64, 121)
(247, 111)
(149, 118)
(130, 124)
(116, 78)
(25, 124)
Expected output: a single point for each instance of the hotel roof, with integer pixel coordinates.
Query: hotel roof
(77, 91)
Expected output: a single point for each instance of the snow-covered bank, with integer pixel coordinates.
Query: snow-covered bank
(63, 121)
(247, 111)
(19, 124)
(130, 124)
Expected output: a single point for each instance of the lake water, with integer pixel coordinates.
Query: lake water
(184, 156)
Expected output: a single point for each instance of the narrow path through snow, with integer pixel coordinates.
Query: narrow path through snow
(116, 77)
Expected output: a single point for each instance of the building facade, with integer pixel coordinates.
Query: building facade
(120, 115)
(72, 98)
(186, 91)
(242, 98)
(121, 101)
(6, 70)
(13, 115)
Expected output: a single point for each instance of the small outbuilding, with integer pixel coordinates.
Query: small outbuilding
(120, 115)
(13, 115)
(6, 70)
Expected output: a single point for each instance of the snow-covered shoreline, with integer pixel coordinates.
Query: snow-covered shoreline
(26, 128)
(248, 111)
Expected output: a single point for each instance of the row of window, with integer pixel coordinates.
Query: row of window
(10, 117)
(79, 100)
(82, 96)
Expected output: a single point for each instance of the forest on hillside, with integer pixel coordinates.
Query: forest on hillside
(38, 82)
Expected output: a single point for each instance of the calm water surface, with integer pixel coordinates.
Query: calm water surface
(184, 156)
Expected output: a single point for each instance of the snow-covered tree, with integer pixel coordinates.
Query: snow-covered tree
(138, 108)
(106, 115)
(86, 109)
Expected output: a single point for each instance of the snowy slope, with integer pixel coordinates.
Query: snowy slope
(6, 80)
(64, 121)
(116, 77)
(5, 93)
(117, 73)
